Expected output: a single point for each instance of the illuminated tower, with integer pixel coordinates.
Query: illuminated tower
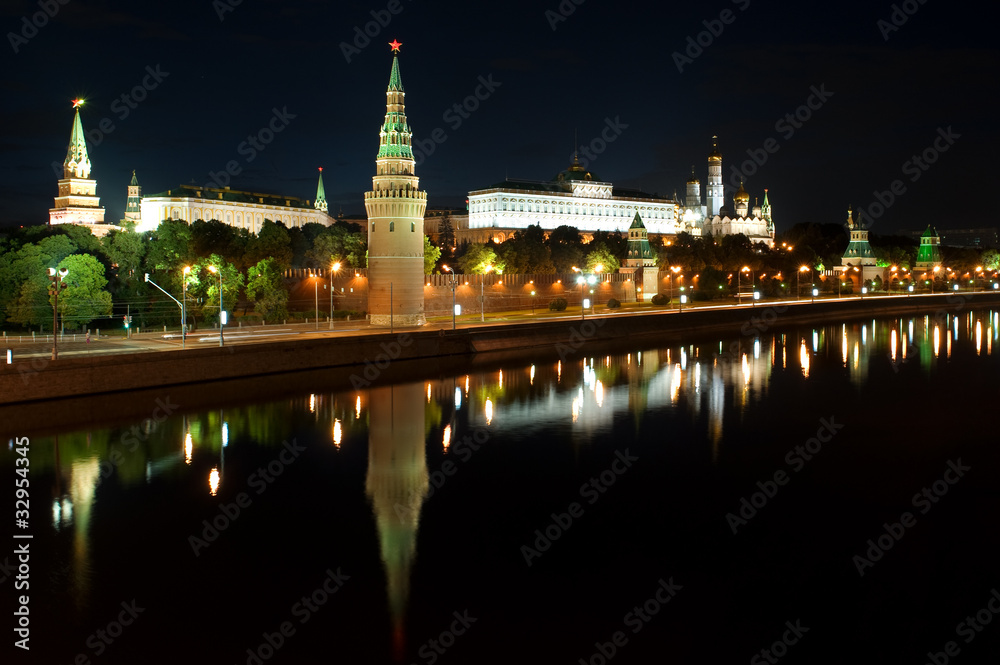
(132, 211)
(320, 193)
(859, 251)
(693, 199)
(765, 211)
(714, 194)
(929, 253)
(77, 201)
(395, 209)
(396, 484)
(741, 199)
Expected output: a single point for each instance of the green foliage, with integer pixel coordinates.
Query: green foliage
(431, 256)
(526, 252)
(990, 259)
(272, 242)
(660, 300)
(480, 259)
(126, 250)
(266, 289)
(601, 255)
(614, 303)
(558, 305)
(84, 298)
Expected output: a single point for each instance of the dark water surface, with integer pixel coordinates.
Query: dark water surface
(542, 513)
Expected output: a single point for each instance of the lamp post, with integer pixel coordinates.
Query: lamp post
(580, 280)
(739, 282)
(454, 284)
(175, 300)
(222, 311)
(184, 299)
(57, 284)
(334, 268)
(482, 293)
(670, 279)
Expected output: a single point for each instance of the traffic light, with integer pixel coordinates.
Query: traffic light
(127, 320)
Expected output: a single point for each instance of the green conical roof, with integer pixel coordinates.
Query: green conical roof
(637, 222)
(931, 232)
(395, 81)
(320, 203)
(135, 181)
(77, 162)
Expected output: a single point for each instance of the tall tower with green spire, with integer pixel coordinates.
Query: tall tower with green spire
(133, 210)
(395, 208)
(77, 201)
(320, 193)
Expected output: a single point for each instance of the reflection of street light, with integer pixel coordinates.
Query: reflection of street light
(454, 283)
(334, 268)
(222, 311)
(56, 278)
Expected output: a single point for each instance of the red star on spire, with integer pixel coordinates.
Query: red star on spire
(395, 45)
(77, 103)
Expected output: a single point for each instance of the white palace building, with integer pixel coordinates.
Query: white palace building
(578, 198)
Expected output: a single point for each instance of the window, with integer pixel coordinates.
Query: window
(413, 227)
(392, 226)
(373, 227)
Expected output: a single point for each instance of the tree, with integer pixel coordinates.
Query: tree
(170, 246)
(446, 236)
(600, 255)
(24, 278)
(267, 290)
(479, 259)
(526, 252)
(126, 250)
(232, 282)
(990, 259)
(211, 237)
(273, 241)
(565, 248)
(84, 298)
(431, 256)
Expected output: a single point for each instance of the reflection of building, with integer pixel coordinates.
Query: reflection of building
(395, 208)
(397, 483)
(77, 201)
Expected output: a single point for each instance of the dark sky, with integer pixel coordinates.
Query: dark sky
(606, 62)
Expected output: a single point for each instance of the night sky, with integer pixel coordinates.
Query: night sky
(606, 67)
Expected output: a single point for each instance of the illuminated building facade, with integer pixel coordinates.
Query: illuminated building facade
(77, 201)
(395, 208)
(929, 253)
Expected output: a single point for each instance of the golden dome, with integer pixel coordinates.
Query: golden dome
(741, 194)
(715, 155)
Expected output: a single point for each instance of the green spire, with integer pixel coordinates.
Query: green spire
(133, 204)
(77, 163)
(395, 82)
(320, 193)
(637, 222)
(135, 181)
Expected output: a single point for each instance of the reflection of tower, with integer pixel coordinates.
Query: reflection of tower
(714, 192)
(397, 483)
(77, 202)
(395, 219)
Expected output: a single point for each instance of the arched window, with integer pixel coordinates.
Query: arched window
(392, 226)
(373, 227)
(413, 227)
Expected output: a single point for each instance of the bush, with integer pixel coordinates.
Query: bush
(558, 305)
(613, 303)
(660, 300)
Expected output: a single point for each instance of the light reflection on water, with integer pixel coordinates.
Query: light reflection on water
(400, 423)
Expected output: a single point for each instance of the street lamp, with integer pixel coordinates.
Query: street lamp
(148, 280)
(482, 293)
(184, 299)
(798, 292)
(334, 268)
(739, 282)
(222, 311)
(670, 279)
(56, 278)
(454, 283)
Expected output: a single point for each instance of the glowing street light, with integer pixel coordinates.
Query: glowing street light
(482, 293)
(222, 311)
(454, 283)
(56, 277)
(670, 280)
(739, 283)
(334, 268)
(184, 299)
